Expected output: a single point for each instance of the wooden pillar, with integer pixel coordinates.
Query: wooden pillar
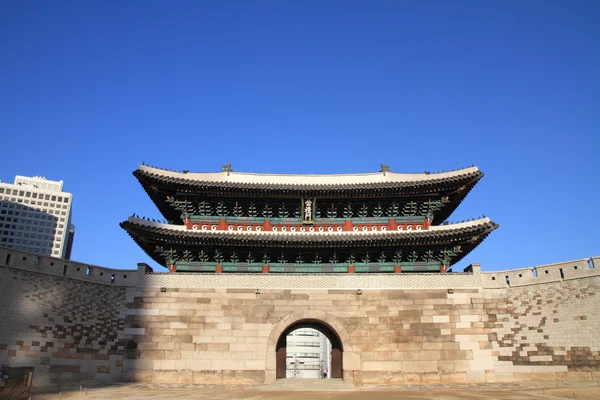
(426, 224)
(348, 226)
(267, 225)
(222, 225)
(265, 269)
(397, 269)
(172, 268)
(443, 268)
(219, 269)
(392, 226)
(350, 269)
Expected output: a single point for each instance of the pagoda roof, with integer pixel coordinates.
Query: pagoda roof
(249, 180)
(150, 234)
(159, 184)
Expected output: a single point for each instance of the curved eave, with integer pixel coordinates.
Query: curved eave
(148, 235)
(159, 184)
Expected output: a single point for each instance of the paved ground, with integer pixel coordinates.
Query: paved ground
(307, 389)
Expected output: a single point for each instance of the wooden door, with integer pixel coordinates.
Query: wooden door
(281, 362)
(336, 363)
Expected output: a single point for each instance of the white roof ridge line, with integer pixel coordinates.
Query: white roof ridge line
(307, 179)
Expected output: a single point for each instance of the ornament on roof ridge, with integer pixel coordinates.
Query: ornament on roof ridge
(226, 168)
(384, 168)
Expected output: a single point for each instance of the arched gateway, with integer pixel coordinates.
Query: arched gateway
(345, 358)
(329, 332)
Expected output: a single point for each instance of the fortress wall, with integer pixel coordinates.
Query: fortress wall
(66, 268)
(537, 328)
(69, 328)
(542, 274)
(209, 328)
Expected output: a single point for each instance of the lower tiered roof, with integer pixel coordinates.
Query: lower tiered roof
(456, 239)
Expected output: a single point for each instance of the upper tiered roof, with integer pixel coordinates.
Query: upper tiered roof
(160, 183)
(249, 180)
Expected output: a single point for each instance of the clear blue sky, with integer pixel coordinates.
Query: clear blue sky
(90, 89)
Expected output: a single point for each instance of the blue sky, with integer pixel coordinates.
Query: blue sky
(90, 89)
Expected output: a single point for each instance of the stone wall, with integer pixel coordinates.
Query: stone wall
(387, 335)
(70, 328)
(548, 328)
(25, 261)
(538, 324)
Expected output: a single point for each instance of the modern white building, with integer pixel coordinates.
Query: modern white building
(35, 216)
(308, 354)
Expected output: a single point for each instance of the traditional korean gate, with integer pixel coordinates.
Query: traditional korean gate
(336, 346)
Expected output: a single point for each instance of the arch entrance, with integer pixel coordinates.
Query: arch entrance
(323, 328)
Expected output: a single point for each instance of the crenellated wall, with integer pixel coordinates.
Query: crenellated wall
(77, 327)
(61, 317)
(66, 268)
(542, 274)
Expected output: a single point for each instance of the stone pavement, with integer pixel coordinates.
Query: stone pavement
(327, 389)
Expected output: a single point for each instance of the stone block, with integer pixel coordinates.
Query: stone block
(543, 377)
(207, 377)
(425, 366)
(134, 331)
(165, 346)
(579, 376)
(351, 361)
(381, 366)
(187, 346)
(218, 347)
(445, 366)
(430, 377)
(138, 365)
(501, 377)
(227, 364)
(412, 378)
(428, 355)
(453, 377)
(254, 365)
(490, 376)
(522, 377)
(240, 355)
(476, 376)
(185, 376)
(165, 376)
(248, 377)
(481, 363)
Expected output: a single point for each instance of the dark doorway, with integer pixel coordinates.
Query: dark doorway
(336, 347)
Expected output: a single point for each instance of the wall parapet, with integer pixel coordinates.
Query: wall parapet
(25, 261)
(547, 273)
